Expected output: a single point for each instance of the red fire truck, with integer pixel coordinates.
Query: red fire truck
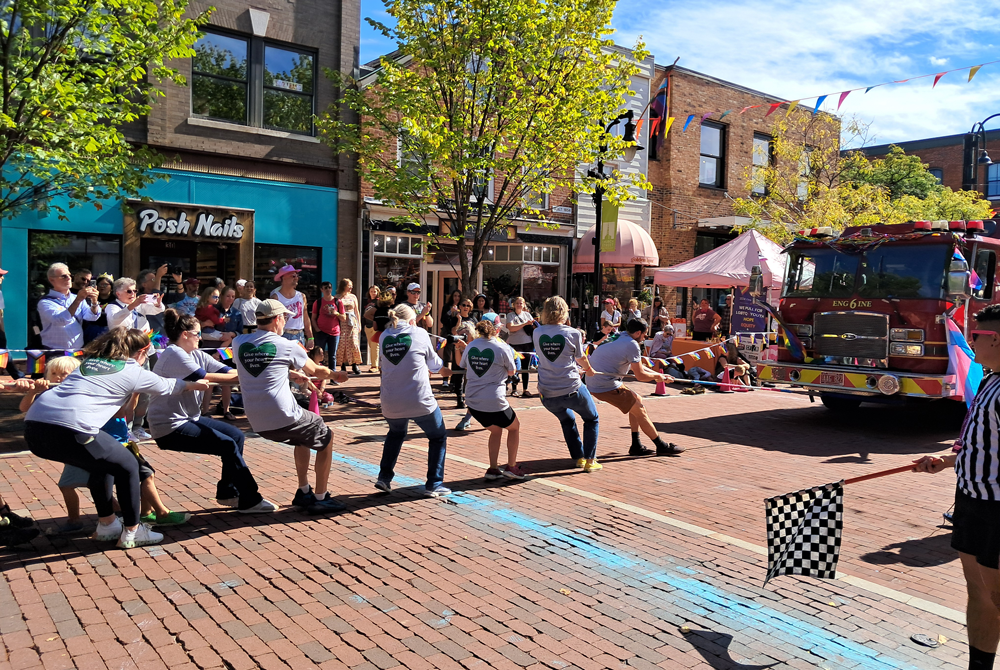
(869, 308)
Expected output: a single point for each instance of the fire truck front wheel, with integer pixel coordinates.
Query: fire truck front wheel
(839, 403)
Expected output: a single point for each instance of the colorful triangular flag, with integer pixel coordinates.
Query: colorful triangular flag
(843, 96)
(973, 71)
(937, 78)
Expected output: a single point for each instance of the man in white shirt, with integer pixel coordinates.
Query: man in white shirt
(61, 313)
(422, 310)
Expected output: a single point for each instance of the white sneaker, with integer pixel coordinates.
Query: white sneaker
(139, 537)
(260, 508)
(141, 435)
(108, 533)
(439, 491)
(228, 502)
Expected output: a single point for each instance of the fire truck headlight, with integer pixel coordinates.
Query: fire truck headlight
(906, 335)
(903, 349)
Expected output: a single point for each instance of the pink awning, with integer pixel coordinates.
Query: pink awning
(633, 246)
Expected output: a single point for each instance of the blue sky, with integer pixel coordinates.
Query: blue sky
(793, 49)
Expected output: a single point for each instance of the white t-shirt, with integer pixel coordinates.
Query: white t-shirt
(558, 347)
(612, 317)
(168, 413)
(248, 308)
(262, 361)
(295, 305)
(519, 336)
(405, 356)
(615, 357)
(487, 365)
(119, 314)
(94, 392)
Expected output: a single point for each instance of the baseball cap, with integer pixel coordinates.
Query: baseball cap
(191, 280)
(241, 282)
(413, 287)
(607, 300)
(270, 307)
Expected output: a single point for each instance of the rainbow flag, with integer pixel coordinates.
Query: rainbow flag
(977, 283)
(962, 364)
(77, 353)
(792, 342)
(441, 343)
(226, 354)
(35, 364)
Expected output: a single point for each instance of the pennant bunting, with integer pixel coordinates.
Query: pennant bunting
(871, 87)
(676, 359)
(791, 107)
(705, 116)
(638, 127)
(937, 78)
(843, 96)
(725, 114)
(666, 126)
(653, 123)
(973, 71)
(774, 106)
(687, 123)
(819, 101)
(746, 108)
(36, 362)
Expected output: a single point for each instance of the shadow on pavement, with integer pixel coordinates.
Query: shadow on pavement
(714, 648)
(816, 431)
(922, 552)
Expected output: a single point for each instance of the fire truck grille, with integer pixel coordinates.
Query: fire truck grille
(851, 334)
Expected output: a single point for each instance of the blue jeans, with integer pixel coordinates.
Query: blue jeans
(582, 403)
(329, 343)
(433, 426)
(299, 337)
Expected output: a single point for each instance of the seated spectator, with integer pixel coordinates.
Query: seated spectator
(62, 314)
(247, 304)
(662, 346)
(739, 368)
(212, 320)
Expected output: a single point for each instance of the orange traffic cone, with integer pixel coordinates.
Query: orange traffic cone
(661, 388)
(725, 383)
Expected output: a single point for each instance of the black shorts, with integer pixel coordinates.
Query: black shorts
(309, 431)
(487, 419)
(976, 529)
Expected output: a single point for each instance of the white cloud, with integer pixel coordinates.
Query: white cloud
(792, 49)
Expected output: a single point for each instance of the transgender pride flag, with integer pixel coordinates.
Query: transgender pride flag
(961, 363)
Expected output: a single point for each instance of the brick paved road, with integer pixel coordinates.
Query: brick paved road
(567, 570)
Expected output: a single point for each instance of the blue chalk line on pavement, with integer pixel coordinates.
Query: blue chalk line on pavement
(692, 595)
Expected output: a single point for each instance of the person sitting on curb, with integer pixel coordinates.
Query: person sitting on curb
(264, 361)
(615, 359)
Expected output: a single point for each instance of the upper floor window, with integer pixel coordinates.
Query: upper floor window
(938, 174)
(761, 160)
(993, 181)
(805, 173)
(710, 172)
(251, 82)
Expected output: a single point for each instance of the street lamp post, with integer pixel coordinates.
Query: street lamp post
(974, 155)
(598, 196)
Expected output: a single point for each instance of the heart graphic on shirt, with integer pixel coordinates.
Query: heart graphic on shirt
(479, 360)
(256, 359)
(96, 367)
(552, 347)
(395, 347)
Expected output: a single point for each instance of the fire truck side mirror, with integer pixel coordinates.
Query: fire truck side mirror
(756, 286)
(959, 279)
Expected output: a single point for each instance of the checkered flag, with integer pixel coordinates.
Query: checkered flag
(803, 532)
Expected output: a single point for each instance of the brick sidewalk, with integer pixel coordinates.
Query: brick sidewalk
(567, 570)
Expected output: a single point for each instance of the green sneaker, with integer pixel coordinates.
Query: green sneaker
(168, 519)
(149, 518)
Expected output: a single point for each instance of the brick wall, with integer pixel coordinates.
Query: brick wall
(946, 157)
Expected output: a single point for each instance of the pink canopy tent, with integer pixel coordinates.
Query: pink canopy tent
(633, 246)
(729, 265)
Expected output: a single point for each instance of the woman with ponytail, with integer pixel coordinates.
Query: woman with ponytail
(488, 362)
(176, 422)
(64, 425)
(406, 356)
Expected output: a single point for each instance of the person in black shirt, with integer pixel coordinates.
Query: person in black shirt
(975, 457)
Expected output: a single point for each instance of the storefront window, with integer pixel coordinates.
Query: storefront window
(398, 272)
(502, 278)
(97, 253)
(402, 245)
(540, 282)
(619, 283)
(269, 258)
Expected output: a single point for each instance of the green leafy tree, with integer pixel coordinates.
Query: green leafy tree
(811, 183)
(513, 91)
(73, 73)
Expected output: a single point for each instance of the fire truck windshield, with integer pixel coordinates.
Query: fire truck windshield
(888, 271)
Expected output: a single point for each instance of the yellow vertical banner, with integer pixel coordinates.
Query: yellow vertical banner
(609, 226)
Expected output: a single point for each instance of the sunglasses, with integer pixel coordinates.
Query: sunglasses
(414, 292)
(196, 333)
(977, 333)
(129, 290)
(64, 277)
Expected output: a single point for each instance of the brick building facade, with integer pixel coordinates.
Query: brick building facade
(690, 217)
(944, 157)
(240, 146)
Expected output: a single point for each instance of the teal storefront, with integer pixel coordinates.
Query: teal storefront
(271, 223)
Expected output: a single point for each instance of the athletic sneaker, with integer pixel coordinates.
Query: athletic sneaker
(437, 491)
(228, 502)
(141, 435)
(70, 527)
(260, 508)
(492, 474)
(464, 423)
(383, 486)
(328, 505)
(639, 450)
(168, 519)
(514, 472)
(592, 466)
(670, 449)
(580, 462)
(304, 500)
(108, 533)
(15, 520)
(140, 537)
(11, 536)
